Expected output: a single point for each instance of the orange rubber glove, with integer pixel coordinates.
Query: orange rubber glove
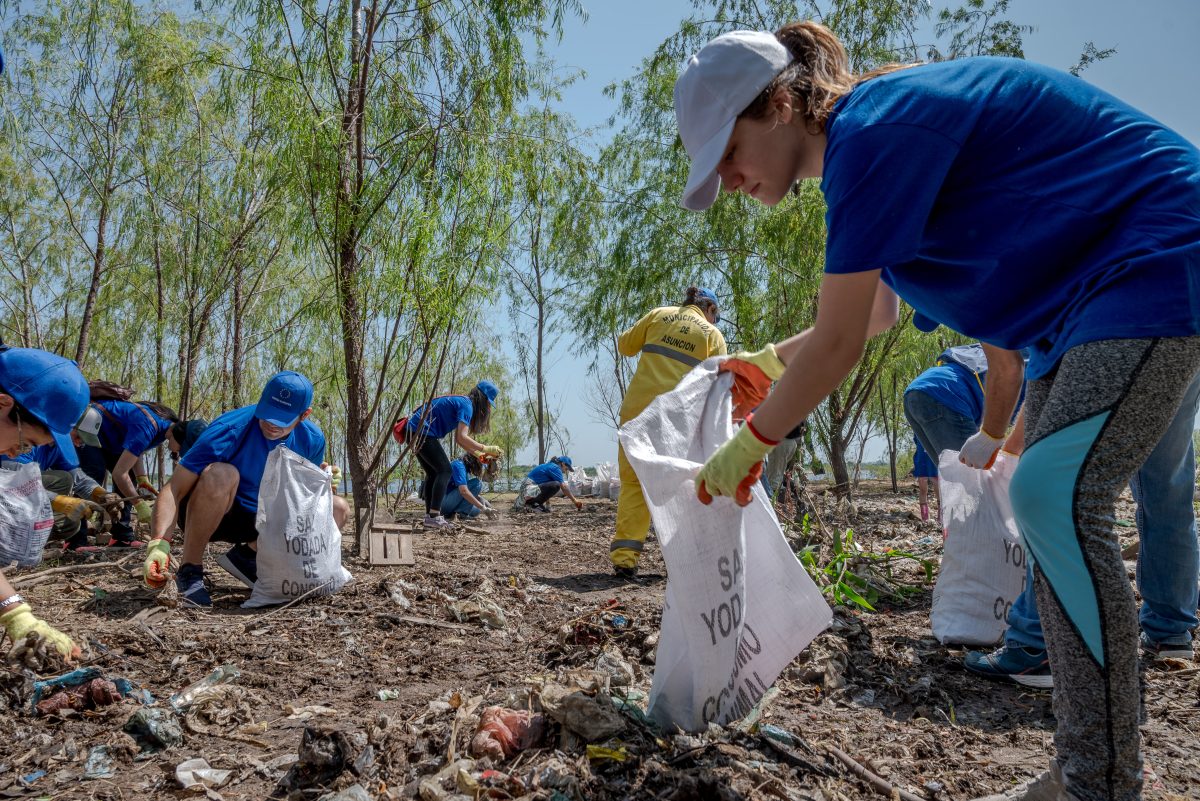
(752, 377)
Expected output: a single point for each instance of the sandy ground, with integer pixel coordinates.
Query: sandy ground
(876, 686)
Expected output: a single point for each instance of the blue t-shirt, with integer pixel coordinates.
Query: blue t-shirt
(544, 473)
(923, 466)
(444, 415)
(1016, 204)
(953, 386)
(46, 457)
(458, 474)
(235, 438)
(129, 426)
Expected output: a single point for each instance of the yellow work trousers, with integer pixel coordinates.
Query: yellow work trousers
(633, 517)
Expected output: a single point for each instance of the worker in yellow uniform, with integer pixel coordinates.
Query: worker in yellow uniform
(671, 341)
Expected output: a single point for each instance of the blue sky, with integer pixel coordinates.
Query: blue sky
(1153, 69)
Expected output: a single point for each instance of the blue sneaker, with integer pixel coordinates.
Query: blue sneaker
(190, 583)
(241, 562)
(1028, 667)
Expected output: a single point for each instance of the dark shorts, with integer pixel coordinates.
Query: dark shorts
(237, 526)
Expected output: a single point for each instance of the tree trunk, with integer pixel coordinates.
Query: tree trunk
(236, 360)
(89, 305)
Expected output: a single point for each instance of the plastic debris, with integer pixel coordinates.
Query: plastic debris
(198, 773)
(503, 732)
(388, 695)
(478, 609)
(612, 663)
(30, 778)
(778, 734)
(395, 591)
(354, 792)
(324, 755)
(92, 694)
(618, 621)
(99, 764)
(225, 674)
(307, 712)
(154, 729)
(598, 753)
(585, 715)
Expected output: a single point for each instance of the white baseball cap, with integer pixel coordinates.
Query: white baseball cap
(88, 427)
(715, 87)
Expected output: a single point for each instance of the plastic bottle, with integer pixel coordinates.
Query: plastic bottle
(224, 674)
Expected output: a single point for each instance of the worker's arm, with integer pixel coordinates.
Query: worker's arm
(166, 510)
(630, 343)
(885, 312)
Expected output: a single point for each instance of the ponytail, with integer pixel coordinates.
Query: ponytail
(693, 298)
(818, 75)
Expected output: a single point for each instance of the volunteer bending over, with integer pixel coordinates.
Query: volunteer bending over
(214, 490)
(42, 396)
(464, 492)
(549, 479)
(1019, 206)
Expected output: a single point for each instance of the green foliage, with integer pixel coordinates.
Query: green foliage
(854, 575)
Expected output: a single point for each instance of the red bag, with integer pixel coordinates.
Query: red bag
(398, 429)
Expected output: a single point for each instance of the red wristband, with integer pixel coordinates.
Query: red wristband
(757, 435)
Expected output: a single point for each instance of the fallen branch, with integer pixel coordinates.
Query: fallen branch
(420, 621)
(293, 602)
(34, 579)
(878, 783)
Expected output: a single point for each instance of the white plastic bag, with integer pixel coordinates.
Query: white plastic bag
(25, 515)
(739, 606)
(614, 489)
(299, 546)
(983, 562)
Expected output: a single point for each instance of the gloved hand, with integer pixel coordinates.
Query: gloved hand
(489, 451)
(158, 559)
(980, 450)
(74, 509)
(752, 377)
(109, 500)
(144, 483)
(735, 468)
(143, 512)
(19, 622)
(490, 513)
(335, 477)
(578, 505)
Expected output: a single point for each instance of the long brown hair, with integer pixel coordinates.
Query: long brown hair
(818, 75)
(481, 412)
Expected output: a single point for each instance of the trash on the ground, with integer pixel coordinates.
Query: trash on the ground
(628, 704)
(36, 654)
(324, 754)
(557, 776)
(388, 695)
(612, 663)
(395, 591)
(478, 609)
(598, 753)
(218, 709)
(355, 792)
(224, 674)
(80, 676)
(588, 716)
(618, 621)
(99, 764)
(198, 773)
(307, 712)
(778, 734)
(30, 778)
(437, 787)
(92, 694)
(503, 732)
(750, 721)
(154, 729)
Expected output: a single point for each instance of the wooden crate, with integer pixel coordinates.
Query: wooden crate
(390, 544)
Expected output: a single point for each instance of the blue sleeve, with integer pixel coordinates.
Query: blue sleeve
(139, 432)
(316, 446)
(458, 472)
(465, 409)
(556, 474)
(880, 183)
(212, 446)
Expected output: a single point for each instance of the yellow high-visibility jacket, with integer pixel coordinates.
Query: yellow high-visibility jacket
(671, 340)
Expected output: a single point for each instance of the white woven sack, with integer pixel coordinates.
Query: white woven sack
(299, 545)
(25, 515)
(739, 605)
(983, 562)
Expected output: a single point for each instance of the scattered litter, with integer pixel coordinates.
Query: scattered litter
(92, 694)
(30, 778)
(154, 730)
(598, 753)
(199, 774)
(324, 755)
(503, 732)
(612, 664)
(395, 591)
(583, 714)
(478, 609)
(82, 676)
(99, 764)
(307, 712)
(778, 734)
(225, 674)
(354, 792)
(388, 695)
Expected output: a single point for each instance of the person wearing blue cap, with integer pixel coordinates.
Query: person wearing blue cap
(1017, 205)
(42, 397)
(668, 342)
(424, 429)
(214, 490)
(550, 481)
(464, 492)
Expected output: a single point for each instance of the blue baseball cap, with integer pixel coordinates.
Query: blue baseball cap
(565, 461)
(49, 386)
(708, 294)
(489, 389)
(285, 397)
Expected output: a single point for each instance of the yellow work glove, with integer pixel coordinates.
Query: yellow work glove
(489, 451)
(74, 509)
(20, 621)
(109, 500)
(158, 559)
(752, 377)
(735, 468)
(335, 477)
(143, 511)
(145, 483)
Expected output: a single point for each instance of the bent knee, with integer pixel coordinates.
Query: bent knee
(341, 509)
(218, 476)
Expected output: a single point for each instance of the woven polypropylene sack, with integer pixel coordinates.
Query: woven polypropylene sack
(983, 562)
(739, 605)
(299, 545)
(25, 515)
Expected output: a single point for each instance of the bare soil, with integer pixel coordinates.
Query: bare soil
(876, 686)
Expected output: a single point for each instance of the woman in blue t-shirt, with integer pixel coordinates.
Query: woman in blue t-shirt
(424, 428)
(1019, 206)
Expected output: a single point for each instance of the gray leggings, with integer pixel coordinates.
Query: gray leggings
(1088, 426)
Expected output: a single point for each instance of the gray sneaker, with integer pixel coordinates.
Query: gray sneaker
(1168, 649)
(1047, 787)
(437, 521)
